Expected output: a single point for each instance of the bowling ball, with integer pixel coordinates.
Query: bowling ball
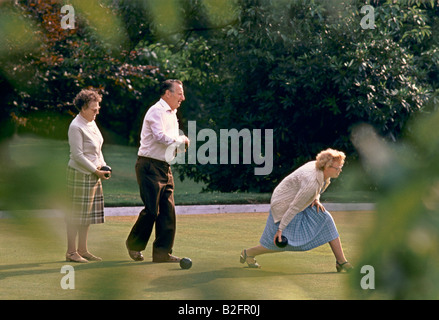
(185, 263)
(283, 243)
(106, 168)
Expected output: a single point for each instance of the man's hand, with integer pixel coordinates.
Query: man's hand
(187, 142)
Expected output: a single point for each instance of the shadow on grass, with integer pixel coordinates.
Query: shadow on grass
(19, 269)
(120, 279)
(188, 279)
(40, 268)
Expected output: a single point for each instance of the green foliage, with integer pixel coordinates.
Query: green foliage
(402, 244)
(123, 48)
(310, 72)
(62, 62)
(305, 69)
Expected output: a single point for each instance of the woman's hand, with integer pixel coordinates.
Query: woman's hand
(318, 205)
(104, 175)
(277, 236)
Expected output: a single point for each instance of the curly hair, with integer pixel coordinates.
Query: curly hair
(84, 97)
(327, 157)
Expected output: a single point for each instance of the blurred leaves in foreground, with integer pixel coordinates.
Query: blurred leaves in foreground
(403, 245)
(33, 174)
(32, 183)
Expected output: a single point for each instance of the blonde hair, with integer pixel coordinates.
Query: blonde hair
(327, 157)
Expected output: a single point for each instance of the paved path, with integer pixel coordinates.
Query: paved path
(234, 208)
(206, 209)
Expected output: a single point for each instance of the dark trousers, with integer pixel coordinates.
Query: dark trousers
(156, 185)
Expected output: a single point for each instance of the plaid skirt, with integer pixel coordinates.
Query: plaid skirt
(309, 229)
(87, 198)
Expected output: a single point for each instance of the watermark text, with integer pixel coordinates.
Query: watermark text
(68, 20)
(368, 21)
(68, 281)
(235, 147)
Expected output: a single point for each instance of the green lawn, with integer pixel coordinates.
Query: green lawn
(32, 250)
(32, 255)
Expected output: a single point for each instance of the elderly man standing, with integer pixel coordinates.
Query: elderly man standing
(158, 142)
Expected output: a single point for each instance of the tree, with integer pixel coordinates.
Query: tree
(47, 75)
(310, 72)
(114, 48)
(306, 69)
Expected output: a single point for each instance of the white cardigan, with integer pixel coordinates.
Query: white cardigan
(296, 192)
(85, 142)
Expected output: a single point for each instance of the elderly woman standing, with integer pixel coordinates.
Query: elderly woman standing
(84, 176)
(297, 214)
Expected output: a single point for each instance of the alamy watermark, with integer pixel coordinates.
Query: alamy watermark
(368, 21)
(368, 280)
(251, 140)
(68, 281)
(68, 20)
(257, 148)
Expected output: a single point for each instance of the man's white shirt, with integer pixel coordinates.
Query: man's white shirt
(160, 136)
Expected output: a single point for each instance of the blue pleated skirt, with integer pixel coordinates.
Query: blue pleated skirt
(309, 229)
